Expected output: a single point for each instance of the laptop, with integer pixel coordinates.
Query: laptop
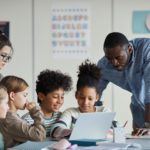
(91, 127)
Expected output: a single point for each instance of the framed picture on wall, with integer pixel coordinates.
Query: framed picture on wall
(4, 27)
(141, 21)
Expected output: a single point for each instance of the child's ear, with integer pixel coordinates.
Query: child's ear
(97, 97)
(11, 95)
(40, 96)
(76, 94)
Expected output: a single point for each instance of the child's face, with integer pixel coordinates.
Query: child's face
(4, 107)
(20, 99)
(86, 98)
(52, 101)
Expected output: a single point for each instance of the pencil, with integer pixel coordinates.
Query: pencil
(125, 123)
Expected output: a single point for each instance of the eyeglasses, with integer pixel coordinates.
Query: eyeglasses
(5, 58)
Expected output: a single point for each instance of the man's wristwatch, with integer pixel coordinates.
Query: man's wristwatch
(147, 124)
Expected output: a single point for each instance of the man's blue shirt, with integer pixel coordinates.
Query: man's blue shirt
(135, 77)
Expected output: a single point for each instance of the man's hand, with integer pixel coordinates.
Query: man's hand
(141, 132)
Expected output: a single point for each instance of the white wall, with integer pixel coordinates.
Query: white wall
(43, 52)
(31, 35)
(19, 14)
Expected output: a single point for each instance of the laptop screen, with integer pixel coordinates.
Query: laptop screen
(92, 126)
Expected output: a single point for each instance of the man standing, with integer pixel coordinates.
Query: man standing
(127, 65)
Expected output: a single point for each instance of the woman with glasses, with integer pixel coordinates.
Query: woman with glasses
(6, 51)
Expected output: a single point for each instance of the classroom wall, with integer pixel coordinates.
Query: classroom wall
(42, 30)
(19, 14)
(30, 33)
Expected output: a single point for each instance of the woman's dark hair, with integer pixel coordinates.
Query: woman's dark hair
(49, 81)
(88, 75)
(4, 41)
(115, 39)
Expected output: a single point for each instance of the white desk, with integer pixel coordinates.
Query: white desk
(145, 143)
(32, 145)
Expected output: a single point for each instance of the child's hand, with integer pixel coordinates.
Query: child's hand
(61, 133)
(66, 132)
(30, 105)
(110, 134)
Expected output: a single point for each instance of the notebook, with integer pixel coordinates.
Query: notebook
(91, 127)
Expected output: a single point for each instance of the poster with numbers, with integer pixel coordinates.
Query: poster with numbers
(70, 30)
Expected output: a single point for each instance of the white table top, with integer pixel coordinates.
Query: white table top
(145, 143)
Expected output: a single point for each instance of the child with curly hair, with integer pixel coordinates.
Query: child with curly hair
(87, 94)
(50, 88)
